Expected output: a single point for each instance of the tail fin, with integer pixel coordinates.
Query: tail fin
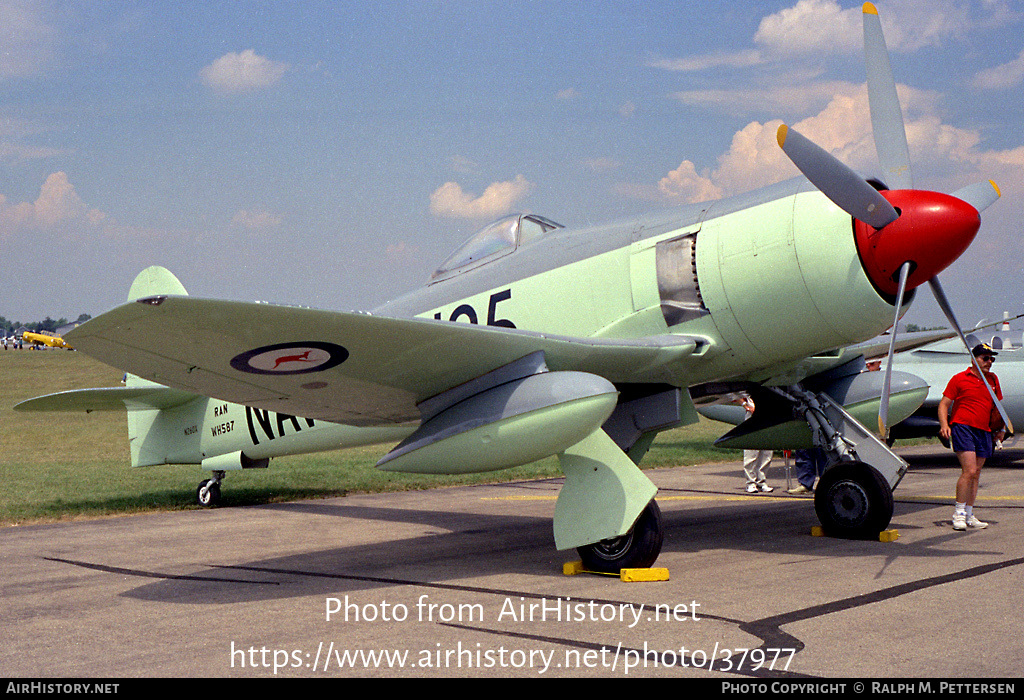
(160, 436)
(151, 282)
(154, 281)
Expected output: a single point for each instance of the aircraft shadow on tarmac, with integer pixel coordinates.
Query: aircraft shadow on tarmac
(471, 545)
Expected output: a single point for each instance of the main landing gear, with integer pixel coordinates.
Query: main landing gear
(606, 509)
(853, 498)
(637, 549)
(208, 492)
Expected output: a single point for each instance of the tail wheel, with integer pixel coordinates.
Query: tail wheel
(637, 549)
(852, 499)
(208, 493)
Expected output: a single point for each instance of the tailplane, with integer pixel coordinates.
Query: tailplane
(162, 422)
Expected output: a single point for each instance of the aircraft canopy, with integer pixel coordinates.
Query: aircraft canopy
(493, 241)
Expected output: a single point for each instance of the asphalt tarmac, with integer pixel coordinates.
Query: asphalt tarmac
(466, 582)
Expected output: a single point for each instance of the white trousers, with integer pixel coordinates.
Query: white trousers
(754, 464)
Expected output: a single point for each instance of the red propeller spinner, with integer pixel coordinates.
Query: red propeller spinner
(933, 230)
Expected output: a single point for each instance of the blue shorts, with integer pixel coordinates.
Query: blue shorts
(964, 438)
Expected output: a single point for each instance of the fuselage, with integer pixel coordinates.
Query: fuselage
(763, 281)
(766, 279)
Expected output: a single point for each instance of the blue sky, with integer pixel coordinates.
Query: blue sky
(332, 154)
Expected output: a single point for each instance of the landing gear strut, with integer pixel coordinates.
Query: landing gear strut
(637, 549)
(853, 498)
(208, 492)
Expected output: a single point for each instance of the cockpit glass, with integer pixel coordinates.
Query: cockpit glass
(495, 240)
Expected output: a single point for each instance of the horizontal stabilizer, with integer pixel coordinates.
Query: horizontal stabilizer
(107, 399)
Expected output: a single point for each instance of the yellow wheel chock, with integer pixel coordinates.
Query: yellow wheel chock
(572, 568)
(883, 536)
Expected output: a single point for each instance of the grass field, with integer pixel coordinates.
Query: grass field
(57, 466)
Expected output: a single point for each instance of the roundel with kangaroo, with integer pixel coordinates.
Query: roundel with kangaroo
(290, 358)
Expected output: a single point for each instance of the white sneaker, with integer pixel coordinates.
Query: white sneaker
(959, 521)
(973, 521)
(764, 488)
(751, 488)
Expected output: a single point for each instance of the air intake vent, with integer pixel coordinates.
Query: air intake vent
(677, 280)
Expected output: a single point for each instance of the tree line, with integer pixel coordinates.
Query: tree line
(47, 324)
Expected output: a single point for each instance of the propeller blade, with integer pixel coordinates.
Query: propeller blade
(835, 180)
(980, 195)
(886, 114)
(883, 407)
(940, 297)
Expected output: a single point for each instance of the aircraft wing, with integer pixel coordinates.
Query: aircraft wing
(353, 368)
(879, 347)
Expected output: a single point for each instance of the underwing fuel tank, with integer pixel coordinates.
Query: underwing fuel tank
(515, 423)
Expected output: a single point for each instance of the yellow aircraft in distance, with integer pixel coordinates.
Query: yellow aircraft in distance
(44, 338)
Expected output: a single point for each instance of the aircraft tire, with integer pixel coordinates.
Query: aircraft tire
(208, 493)
(853, 500)
(637, 549)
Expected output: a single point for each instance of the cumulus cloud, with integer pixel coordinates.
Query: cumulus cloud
(242, 72)
(824, 28)
(948, 156)
(451, 201)
(811, 26)
(58, 206)
(1007, 75)
(754, 158)
(685, 185)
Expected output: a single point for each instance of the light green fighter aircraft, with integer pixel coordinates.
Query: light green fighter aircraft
(534, 340)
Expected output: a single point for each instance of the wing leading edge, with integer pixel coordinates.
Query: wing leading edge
(352, 368)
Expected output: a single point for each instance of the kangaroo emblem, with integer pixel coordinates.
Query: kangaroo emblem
(304, 357)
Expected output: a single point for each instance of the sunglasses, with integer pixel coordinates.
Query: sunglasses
(986, 358)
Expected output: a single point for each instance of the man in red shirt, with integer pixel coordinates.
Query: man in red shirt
(969, 428)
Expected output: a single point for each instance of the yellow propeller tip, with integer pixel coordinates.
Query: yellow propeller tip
(781, 135)
(870, 9)
(995, 187)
